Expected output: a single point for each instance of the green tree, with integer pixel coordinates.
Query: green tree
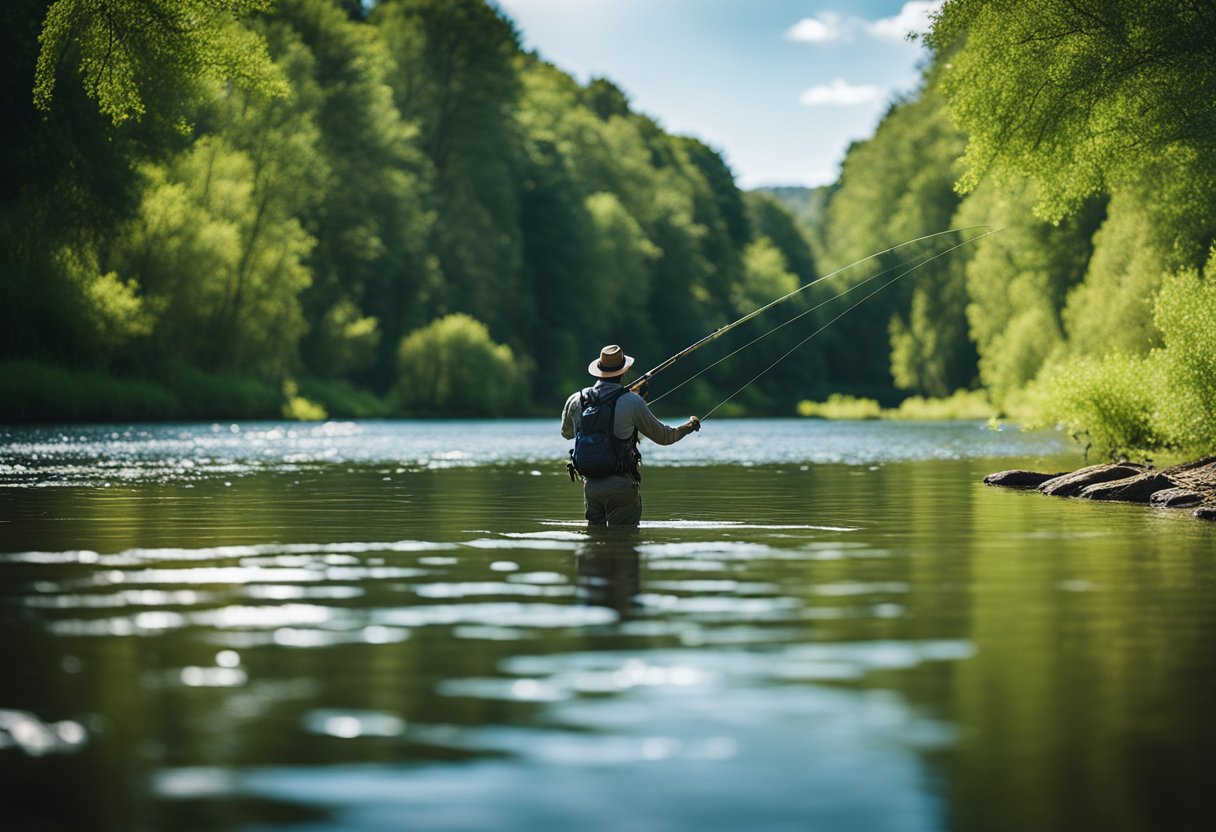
(119, 48)
(452, 367)
(1185, 313)
(1077, 94)
(1017, 282)
(895, 187)
(455, 77)
(220, 260)
(372, 262)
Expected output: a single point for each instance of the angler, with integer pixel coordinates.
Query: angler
(604, 421)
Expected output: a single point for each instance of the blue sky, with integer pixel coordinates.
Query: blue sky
(780, 87)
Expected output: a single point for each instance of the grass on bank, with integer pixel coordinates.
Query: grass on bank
(964, 404)
(31, 391)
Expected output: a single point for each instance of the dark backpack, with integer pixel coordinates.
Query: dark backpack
(597, 451)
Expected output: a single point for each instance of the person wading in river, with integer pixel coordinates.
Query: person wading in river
(612, 483)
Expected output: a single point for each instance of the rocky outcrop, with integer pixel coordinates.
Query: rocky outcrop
(1137, 489)
(1182, 486)
(1176, 498)
(1019, 479)
(1070, 485)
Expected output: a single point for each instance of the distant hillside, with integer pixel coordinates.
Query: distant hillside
(808, 205)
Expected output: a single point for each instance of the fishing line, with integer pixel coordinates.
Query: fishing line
(767, 333)
(841, 315)
(722, 330)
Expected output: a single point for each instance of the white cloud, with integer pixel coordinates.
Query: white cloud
(820, 29)
(913, 17)
(839, 93)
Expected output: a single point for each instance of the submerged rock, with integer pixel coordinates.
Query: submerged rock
(1070, 485)
(1205, 512)
(1018, 478)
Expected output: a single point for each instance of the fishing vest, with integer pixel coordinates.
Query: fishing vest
(598, 451)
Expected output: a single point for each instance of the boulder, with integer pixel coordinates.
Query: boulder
(1176, 498)
(1207, 512)
(1019, 479)
(1136, 489)
(1199, 475)
(1069, 485)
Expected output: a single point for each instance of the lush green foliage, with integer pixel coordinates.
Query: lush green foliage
(841, 406)
(1185, 313)
(120, 46)
(291, 191)
(409, 214)
(1077, 94)
(1166, 398)
(453, 367)
(961, 404)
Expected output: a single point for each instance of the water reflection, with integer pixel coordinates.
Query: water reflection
(609, 573)
(838, 647)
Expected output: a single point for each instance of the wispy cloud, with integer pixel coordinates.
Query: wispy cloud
(913, 17)
(829, 26)
(821, 29)
(839, 93)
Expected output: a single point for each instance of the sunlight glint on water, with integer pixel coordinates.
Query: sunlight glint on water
(405, 625)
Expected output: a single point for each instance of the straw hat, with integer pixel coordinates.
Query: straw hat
(612, 363)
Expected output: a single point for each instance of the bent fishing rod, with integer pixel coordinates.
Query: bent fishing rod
(722, 330)
(858, 303)
(820, 305)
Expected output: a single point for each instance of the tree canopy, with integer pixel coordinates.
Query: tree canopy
(391, 205)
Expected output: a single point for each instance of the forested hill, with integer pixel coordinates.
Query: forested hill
(244, 207)
(407, 204)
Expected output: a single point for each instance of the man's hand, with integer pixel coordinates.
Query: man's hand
(643, 389)
(693, 424)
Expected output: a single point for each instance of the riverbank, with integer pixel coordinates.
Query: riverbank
(35, 392)
(1191, 485)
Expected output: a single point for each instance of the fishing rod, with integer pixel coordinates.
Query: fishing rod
(722, 330)
(816, 307)
(791, 350)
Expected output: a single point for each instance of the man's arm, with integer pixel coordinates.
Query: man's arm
(568, 417)
(648, 424)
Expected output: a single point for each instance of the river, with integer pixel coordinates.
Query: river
(404, 625)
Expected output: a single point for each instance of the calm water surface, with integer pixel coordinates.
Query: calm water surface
(403, 625)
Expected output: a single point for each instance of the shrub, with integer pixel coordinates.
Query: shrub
(1109, 403)
(963, 404)
(1166, 399)
(299, 408)
(841, 406)
(1185, 312)
(451, 367)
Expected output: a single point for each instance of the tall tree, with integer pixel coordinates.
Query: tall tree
(1077, 94)
(373, 275)
(455, 77)
(895, 187)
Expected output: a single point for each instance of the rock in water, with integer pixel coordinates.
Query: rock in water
(1205, 512)
(1137, 489)
(1176, 498)
(1069, 485)
(1019, 479)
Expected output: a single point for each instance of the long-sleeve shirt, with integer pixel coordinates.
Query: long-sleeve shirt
(631, 412)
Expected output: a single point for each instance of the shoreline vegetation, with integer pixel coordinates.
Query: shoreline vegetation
(40, 393)
(305, 208)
